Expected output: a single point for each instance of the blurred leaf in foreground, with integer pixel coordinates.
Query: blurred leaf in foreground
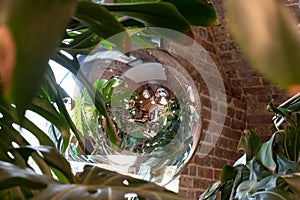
(268, 35)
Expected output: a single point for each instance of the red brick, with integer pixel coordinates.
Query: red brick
(202, 183)
(239, 115)
(217, 174)
(238, 125)
(238, 92)
(260, 119)
(192, 194)
(226, 55)
(208, 46)
(257, 90)
(206, 101)
(185, 171)
(183, 192)
(205, 124)
(207, 173)
(230, 112)
(236, 82)
(253, 81)
(233, 144)
(206, 113)
(227, 121)
(186, 181)
(237, 103)
(219, 162)
(192, 170)
(226, 46)
(231, 133)
(206, 161)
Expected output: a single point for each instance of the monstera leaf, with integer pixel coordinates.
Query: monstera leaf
(92, 183)
(96, 183)
(31, 35)
(195, 12)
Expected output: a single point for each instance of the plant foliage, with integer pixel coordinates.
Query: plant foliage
(279, 61)
(61, 30)
(271, 169)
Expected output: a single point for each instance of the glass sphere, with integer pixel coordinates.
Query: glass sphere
(149, 122)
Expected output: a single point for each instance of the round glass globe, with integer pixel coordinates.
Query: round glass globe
(149, 122)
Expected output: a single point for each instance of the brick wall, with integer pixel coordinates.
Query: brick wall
(248, 94)
(205, 169)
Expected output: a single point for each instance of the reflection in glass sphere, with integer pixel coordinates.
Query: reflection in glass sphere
(153, 121)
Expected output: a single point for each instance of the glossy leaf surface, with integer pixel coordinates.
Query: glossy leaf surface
(53, 158)
(12, 175)
(158, 14)
(197, 12)
(96, 183)
(249, 143)
(265, 154)
(100, 21)
(33, 29)
(293, 181)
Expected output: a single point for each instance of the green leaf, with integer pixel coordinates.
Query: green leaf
(135, 1)
(244, 189)
(73, 66)
(131, 23)
(275, 50)
(108, 89)
(196, 12)
(37, 132)
(249, 143)
(68, 191)
(265, 154)
(15, 193)
(257, 170)
(35, 35)
(100, 21)
(290, 138)
(242, 175)
(99, 84)
(153, 14)
(12, 176)
(228, 173)
(46, 109)
(279, 110)
(274, 194)
(266, 183)
(96, 183)
(51, 92)
(293, 181)
(7, 132)
(143, 42)
(211, 192)
(107, 45)
(295, 106)
(79, 40)
(284, 164)
(53, 158)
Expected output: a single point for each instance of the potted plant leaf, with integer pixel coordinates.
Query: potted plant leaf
(268, 170)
